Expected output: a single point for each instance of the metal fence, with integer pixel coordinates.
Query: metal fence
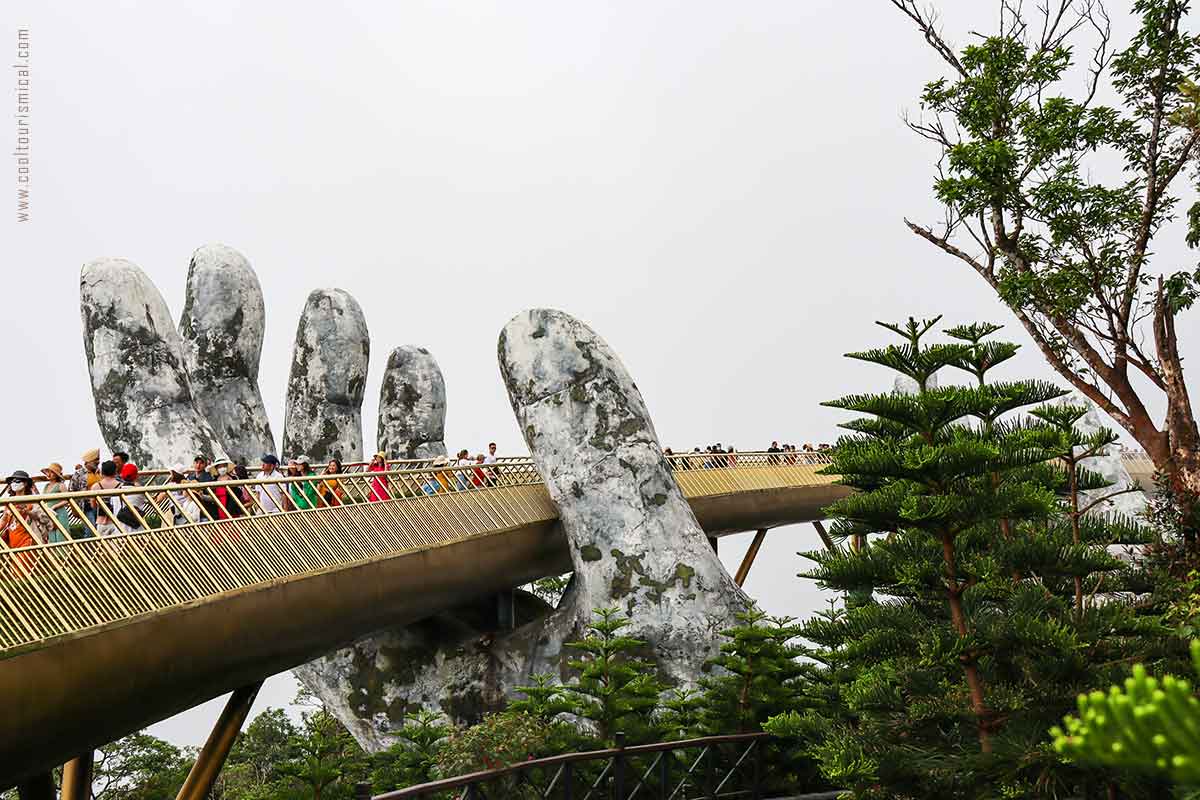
(81, 560)
(710, 768)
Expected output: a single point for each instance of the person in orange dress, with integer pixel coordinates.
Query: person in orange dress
(23, 524)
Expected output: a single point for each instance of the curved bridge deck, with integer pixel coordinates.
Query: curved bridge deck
(100, 636)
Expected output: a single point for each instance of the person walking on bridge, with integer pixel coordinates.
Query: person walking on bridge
(330, 489)
(271, 496)
(25, 530)
(303, 493)
(34, 529)
(108, 507)
(131, 502)
(60, 509)
(379, 489)
(86, 476)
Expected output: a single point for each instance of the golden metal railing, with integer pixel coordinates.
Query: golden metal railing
(101, 557)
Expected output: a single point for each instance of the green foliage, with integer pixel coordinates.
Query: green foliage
(1057, 200)
(616, 689)
(550, 590)
(140, 767)
(412, 760)
(500, 740)
(325, 760)
(757, 669)
(1150, 726)
(976, 618)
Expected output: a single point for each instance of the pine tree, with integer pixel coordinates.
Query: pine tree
(616, 689)
(754, 678)
(963, 637)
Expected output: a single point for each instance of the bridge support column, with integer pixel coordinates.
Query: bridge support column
(506, 610)
(77, 777)
(210, 760)
(39, 787)
(828, 542)
(751, 554)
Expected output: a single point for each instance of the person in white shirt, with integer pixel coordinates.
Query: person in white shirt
(490, 458)
(271, 496)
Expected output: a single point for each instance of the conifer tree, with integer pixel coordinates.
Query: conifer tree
(966, 641)
(617, 690)
(754, 678)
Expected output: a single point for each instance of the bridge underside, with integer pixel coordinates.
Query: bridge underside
(83, 690)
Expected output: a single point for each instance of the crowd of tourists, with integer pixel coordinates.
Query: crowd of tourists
(184, 495)
(716, 456)
(187, 499)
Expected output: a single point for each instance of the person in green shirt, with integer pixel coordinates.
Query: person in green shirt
(303, 493)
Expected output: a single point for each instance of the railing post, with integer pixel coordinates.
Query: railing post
(619, 768)
(362, 791)
(568, 769)
(664, 773)
(756, 789)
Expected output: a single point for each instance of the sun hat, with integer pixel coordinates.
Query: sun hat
(18, 475)
(222, 461)
(53, 467)
(129, 472)
(91, 455)
(179, 469)
(382, 455)
(305, 460)
(441, 461)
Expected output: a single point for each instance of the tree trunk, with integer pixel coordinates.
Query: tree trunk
(970, 670)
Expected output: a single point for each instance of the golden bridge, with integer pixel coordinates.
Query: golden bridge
(101, 635)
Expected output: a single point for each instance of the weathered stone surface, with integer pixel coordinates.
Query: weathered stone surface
(436, 664)
(362, 684)
(634, 541)
(222, 327)
(412, 405)
(329, 371)
(143, 397)
(634, 544)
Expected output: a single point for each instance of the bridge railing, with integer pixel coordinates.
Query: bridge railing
(88, 559)
(714, 766)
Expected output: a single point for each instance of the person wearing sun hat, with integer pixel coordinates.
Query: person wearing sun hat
(379, 489)
(32, 526)
(61, 509)
(304, 493)
(226, 506)
(87, 474)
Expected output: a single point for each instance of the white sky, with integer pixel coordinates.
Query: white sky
(717, 188)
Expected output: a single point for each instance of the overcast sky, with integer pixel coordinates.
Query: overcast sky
(716, 187)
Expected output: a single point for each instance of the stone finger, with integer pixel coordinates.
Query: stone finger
(140, 386)
(328, 375)
(412, 405)
(222, 327)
